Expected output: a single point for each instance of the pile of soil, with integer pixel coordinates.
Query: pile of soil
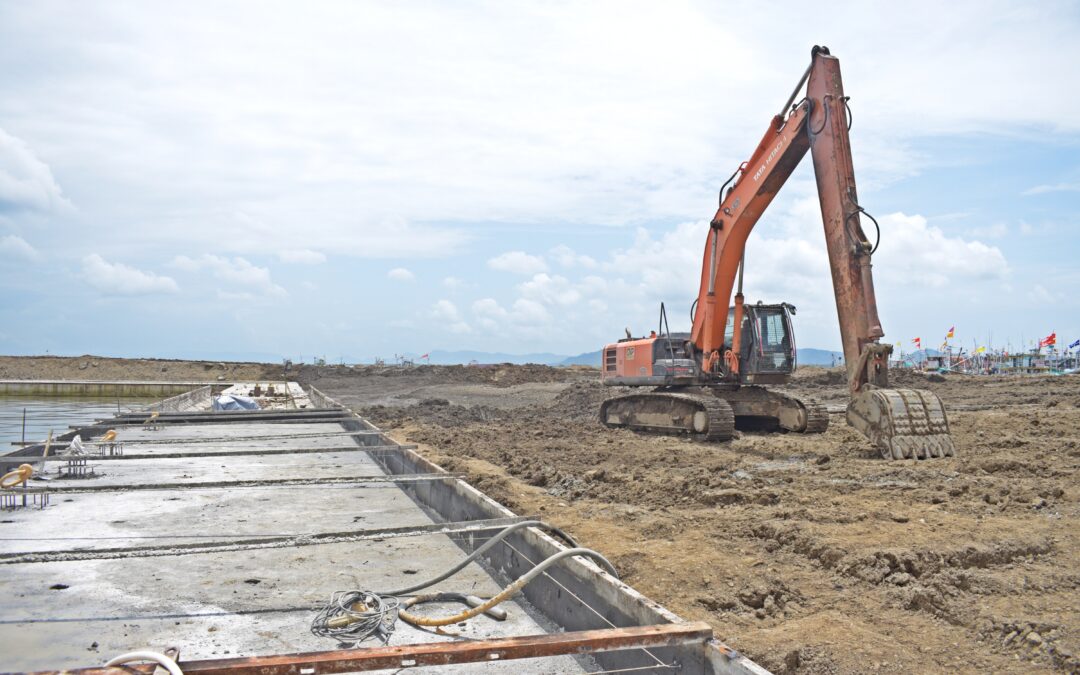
(147, 370)
(496, 375)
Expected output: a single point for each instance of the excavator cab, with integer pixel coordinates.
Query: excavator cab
(767, 348)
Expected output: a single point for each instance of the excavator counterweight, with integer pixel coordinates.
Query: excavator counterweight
(708, 380)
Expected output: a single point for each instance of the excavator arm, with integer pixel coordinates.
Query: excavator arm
(779, 152)
(901, 422)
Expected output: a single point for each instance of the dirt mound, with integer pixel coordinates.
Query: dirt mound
(109, 369)
(500, 375)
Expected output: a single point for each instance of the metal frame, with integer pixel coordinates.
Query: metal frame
(439, 653)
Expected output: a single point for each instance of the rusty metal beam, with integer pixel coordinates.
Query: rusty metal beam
(440, 653)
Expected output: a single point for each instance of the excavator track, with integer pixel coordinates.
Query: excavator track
(817, 417)
(701, 416)
(811, 416)
(789, 411)
(721, 420)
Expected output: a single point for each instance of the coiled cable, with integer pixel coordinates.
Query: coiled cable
(354, 616)
(162, 660)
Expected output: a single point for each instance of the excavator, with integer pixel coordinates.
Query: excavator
(704, 381)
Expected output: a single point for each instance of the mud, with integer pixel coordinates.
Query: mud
(808, 553)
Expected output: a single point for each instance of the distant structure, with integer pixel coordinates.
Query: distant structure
(984, 361)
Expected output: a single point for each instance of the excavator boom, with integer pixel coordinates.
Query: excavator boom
(902, 423)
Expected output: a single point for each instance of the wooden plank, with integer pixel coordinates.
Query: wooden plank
(441, 653)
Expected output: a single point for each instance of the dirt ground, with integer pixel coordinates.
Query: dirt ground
(146, 370)
(808, 553)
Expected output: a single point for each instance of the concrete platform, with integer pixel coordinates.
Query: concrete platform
(151, 593)
(223, 539)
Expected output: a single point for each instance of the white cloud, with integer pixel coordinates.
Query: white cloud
(668, 265)
(1046, 189)
(400, 274)
(567, 257)
(517, 262)
(12, 246)
(549, 290)
(914, 253)
(301, 256)
(523, 314)
(445, 310)
(358, 171)
(26, 182)
(235, 271)
(490, 316)
(787, 261)
(449, 317)
(557, 136)
(120, 279)
(452, 282)
(529, 313)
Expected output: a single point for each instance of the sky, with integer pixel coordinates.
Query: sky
(351, 180)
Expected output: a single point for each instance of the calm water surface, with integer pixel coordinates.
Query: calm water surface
(43, 414)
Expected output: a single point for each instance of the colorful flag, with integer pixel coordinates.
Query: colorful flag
(425, 356)
(1074, 345)
(951, 332)
(980, 350)
(917, 342)
(1048, 341)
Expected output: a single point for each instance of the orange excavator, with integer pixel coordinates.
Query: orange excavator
(704, 381)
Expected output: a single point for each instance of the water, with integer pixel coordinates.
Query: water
(43, 414)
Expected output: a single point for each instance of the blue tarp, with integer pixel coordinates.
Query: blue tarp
(227, 402)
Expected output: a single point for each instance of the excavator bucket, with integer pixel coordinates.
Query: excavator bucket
(902, 423)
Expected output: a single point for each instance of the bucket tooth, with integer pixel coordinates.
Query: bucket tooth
(902, 423)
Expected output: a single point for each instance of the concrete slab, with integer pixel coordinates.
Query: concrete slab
(317, 466)
(243, 602)
(86, 521)
(171, 438)
(120, 565)
(227, 555)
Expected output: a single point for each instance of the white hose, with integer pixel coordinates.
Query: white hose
(147, 655)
